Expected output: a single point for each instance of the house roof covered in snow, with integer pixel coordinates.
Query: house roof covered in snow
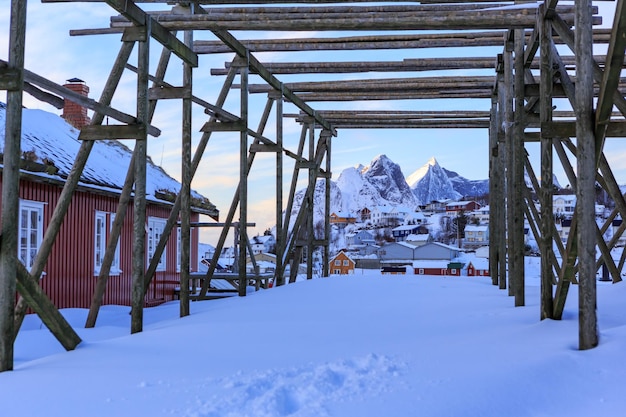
(49, 148)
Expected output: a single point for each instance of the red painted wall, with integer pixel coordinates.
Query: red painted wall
(69, 278)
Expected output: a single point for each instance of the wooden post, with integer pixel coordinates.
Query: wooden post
(292, 192)
(326, 257)
(185, 191)
(547, 217)
(139, 219)
(517, 165)
(500, 215)
(509, 138)
(120, 214)
(496, 196)
(311, 205)
(243, 180)
(10, 186)
(586, 169)
(280, 240)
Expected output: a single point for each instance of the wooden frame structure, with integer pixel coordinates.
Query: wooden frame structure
(526, 76)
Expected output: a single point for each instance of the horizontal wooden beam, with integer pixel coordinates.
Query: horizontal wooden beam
(86, 102)
(512, 18)
(228, 126)
(374, 42)
(104, 132)
(167, 93)
(134, 14)
(568, 129)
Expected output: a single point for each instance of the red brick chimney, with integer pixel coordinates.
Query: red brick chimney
(73, 113)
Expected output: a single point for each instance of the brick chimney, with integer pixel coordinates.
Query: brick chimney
(73, 113)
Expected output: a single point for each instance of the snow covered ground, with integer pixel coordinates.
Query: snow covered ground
(363, 345)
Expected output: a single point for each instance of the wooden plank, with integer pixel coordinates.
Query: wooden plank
(167, 93)
(9, 78)
(265, 148)
(36, 298)
(87, 102)
(612, 71)
(568, 129)
(103, 132)
(132, 12)
(214, 126)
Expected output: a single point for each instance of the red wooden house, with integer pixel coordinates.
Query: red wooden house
(478, 267)
(437, 267)
(49, 146)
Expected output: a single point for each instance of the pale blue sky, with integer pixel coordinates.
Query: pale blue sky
(52, 53)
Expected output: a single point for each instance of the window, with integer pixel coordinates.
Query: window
(115, 265)
(100, 242)
(178, 254)
(99, 239)
(30, 233)
(337, 262)
(421, 271)
(337, 272)
(345, 262)
(155, 230)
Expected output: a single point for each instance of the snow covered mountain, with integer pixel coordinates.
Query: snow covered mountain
(387, 177)
(467, 188)
(382, 183)
(430, 182)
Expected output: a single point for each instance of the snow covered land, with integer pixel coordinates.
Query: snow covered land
(362, 345)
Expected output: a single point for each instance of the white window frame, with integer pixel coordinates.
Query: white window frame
(99, 240)
(337, 262)
(346, 263)
(115, 265)
(155, 230)
(26, 248)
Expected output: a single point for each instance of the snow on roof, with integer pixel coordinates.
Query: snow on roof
(418, 238)
(476, 228)
(48, 139)
(406, 227)
(480, 263)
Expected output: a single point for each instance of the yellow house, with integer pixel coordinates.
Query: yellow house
(341, 264)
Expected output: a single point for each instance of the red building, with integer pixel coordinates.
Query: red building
(478, 268)
(341, 264)
(49, 147)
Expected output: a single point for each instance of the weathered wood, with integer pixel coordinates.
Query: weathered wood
(517, 167)
(405, 41)
(71, 183)
(10, 186)
(101, 132)
(547, 183)
(37, 299)
(164, 93)
(586, 170)
(185, 191)
(611, 78)
(97, 107)
(459, 19)
(139, 201)
(130, 11)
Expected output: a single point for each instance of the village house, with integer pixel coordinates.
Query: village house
(364, 214)
(456, 207)
(564, 205)
(49, 146)
(419, 239)
(263, 244)
(400, 233)
(476, 235)
(342, 219)
(341, 264)
(436, 206)
(478, 267)
(360, 238)
(438, 267)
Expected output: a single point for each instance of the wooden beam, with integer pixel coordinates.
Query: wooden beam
(129, 10)
(37, 299)
(87, 102)
(103, 132)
